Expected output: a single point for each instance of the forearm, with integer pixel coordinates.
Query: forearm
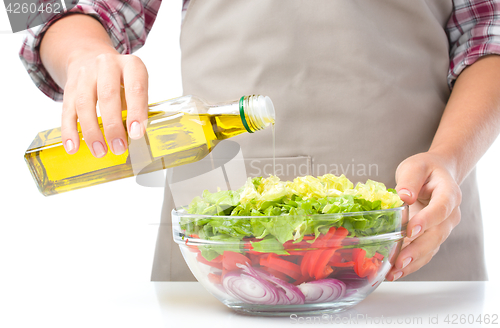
(68, 38)
(471, 120)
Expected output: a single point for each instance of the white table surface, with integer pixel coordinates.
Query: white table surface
(187, 304)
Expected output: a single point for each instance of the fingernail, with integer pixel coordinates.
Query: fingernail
(135, 130)
(405, 192)
(98, 149)
(69, 146)
(118, 146)
(416, 229)
(397, 276)
(406, 262)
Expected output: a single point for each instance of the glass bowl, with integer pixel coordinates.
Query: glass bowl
(328, 271)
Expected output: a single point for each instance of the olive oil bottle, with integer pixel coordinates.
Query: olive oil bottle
(178, 131)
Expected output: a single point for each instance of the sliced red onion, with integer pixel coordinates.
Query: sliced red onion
(352, 282)
(293, 294)
(283, 299)
(250, 289)
(255, 286)
(324, 290)
(351, 292)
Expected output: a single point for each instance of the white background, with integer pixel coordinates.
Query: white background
(102, 238)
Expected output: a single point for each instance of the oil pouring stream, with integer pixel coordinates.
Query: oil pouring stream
(178, 131)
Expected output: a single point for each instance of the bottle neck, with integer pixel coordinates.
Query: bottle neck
(256, 111)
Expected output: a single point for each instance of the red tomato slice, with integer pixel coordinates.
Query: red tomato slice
(230, 259)
(216, 263)
(276, 263)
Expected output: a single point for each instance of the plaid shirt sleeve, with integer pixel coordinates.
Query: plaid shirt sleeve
(127, 22)
(473, 31)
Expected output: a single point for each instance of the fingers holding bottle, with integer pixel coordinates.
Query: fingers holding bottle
(135, 80)
(69, 118)
(79, 104)
(99, 79)
(109, 78)
(85, 104)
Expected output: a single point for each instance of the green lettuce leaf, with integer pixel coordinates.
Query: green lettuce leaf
(275, 212)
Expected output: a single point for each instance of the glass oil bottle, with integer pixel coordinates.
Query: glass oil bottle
(178, 131)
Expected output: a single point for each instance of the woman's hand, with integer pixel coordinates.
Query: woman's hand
(424, 181)
(79, 55)
(98, 77)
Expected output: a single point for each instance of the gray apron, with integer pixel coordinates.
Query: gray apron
(358, 86)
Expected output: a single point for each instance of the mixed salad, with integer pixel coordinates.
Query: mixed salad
(282, 242)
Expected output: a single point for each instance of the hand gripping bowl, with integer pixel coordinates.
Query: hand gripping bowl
(326, 272)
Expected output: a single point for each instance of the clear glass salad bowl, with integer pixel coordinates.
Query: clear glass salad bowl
(332, 263)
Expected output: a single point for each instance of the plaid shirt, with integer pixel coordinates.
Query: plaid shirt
(473, 31)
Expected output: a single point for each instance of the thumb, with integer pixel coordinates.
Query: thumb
(411, 175)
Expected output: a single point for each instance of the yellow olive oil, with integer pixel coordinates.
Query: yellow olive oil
(173, 137)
